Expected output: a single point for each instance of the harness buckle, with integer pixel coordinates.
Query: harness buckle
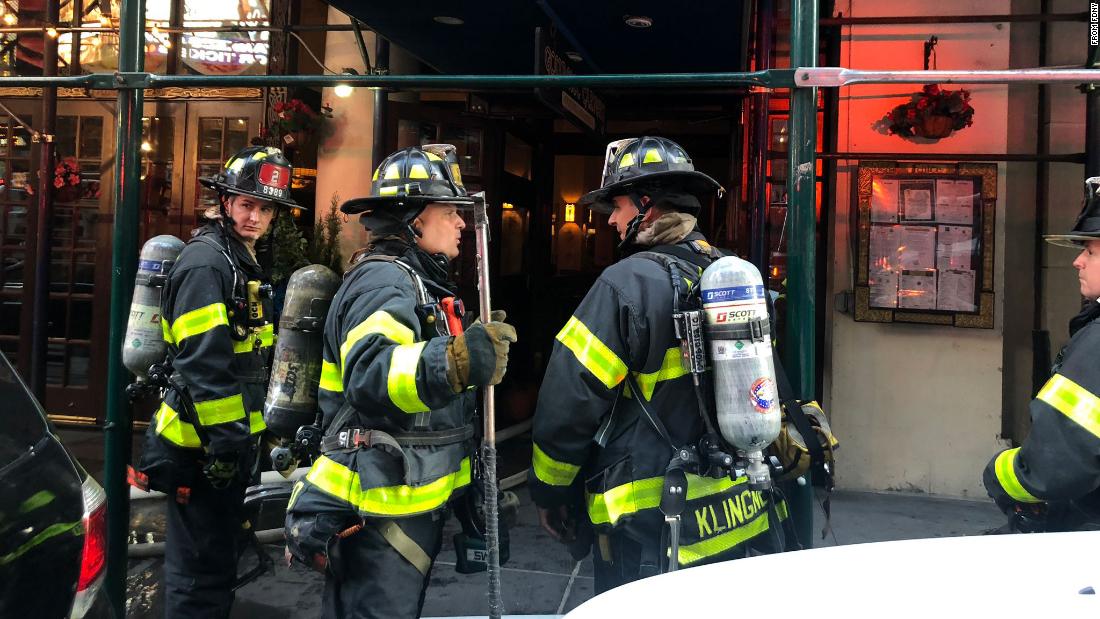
(354, 438)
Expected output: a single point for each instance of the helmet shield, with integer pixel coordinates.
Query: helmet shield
(258, 171)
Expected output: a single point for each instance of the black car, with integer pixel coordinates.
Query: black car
(53, 516)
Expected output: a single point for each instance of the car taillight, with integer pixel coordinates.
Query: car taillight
(94, 558)
(95, 536)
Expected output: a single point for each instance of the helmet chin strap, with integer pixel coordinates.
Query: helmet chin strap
(635, 224)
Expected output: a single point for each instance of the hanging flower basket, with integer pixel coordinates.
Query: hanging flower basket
(296, 121)
(935, 126)
(66, 180)
(933, 113)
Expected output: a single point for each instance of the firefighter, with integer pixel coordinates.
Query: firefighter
(592, 445)
(396, 395)
(202, 443)
(1051, 481)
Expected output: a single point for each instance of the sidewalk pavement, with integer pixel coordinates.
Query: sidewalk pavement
(541, 579)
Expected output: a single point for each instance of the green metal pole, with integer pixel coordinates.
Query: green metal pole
(799, 351)
(120, 424)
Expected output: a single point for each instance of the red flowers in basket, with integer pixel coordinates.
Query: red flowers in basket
(66, 174)
(295, 116)
(932, 113)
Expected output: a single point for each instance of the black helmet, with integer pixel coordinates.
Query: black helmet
(258, 171)
(1087, 227)
(410, 179)
(647, 162)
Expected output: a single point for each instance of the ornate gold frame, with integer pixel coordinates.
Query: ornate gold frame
(980, 319)
(152, 93)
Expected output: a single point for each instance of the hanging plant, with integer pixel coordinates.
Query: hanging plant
(296, 120)
(933, 113)
(66, 181)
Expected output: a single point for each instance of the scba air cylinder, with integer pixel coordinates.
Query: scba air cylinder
(144, 344)
(296, 368)
(739, 337)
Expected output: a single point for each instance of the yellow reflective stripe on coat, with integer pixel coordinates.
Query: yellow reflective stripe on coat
(331, 377)
(173, 429)
(166, 331)
(266, 335)
(401, 381)
(672, 367)
(381, 323)
(632, 497)
(339, 481)
(1005, 468)
(550, 471)
(693, 553)
(170, 427)
(199, 321)
(593, 354)
(222, 410)
(1073, 401)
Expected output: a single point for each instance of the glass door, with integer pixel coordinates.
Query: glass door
(215, 131)
(79, 268)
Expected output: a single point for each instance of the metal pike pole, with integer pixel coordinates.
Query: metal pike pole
(489, 438)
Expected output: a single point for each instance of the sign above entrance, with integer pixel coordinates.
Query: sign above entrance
(579, 105)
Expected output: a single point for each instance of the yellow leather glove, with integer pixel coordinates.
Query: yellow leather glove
(479, 356)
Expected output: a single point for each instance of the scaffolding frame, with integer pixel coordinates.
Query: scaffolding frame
(131, 81)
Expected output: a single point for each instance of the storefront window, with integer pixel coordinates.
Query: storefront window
(201, 52)
(225, 53)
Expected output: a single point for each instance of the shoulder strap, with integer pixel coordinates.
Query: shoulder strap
(224, 251)
(653, 419)
(418, 282)
(679, 251)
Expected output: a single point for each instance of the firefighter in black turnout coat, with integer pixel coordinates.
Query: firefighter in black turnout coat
(202, 443)
(397, 396)
(1052, 481)
(596, 457)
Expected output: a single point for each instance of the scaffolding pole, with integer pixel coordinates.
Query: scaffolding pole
(799, 349)
(120, 424)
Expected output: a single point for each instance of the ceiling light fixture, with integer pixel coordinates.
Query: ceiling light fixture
(574, 56)
(447, 20)
(638, 21)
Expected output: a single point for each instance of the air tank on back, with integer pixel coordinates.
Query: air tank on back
(296, 368)
(739, 337)
(144, 344)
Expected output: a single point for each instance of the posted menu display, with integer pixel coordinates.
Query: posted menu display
(923, 243)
